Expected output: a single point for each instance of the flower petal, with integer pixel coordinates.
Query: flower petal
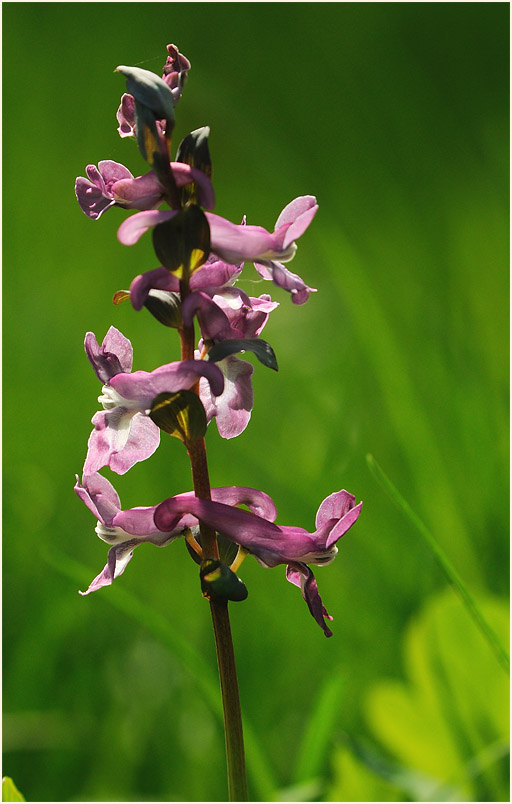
(119, 440)
(302, 576)
(114, 356)
(297, 216)
(99, 496)
(143, 386)
(270, 543)
(231, 409)
(157, 279)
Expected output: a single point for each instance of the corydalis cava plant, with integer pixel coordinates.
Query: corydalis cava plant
(193, 288)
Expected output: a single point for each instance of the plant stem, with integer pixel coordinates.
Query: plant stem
(237, 778)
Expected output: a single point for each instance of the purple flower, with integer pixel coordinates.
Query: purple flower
(213, 275)
(272, 544)
(174, 75)
(230, 314)
(297, 216)
(112, 184)
(175, 71)
(235, 243)
(125, 530)
(123, 433)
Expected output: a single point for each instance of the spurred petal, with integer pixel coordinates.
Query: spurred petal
(143, 386)
(272, 544)
(231, 242)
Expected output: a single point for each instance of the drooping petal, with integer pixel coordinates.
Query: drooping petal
(91, 199)
(120, 555)
(118, 559)
(286, 279)
(302, 576)
(142, 442)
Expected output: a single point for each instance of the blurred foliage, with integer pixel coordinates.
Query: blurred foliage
(446, 728)
(396, 116)
(9, 790)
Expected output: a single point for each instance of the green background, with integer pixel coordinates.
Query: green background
(395, 116)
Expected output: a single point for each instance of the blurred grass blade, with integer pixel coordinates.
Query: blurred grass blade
(320, 725)
(9, 790)
(262, 777)
(449, 570)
